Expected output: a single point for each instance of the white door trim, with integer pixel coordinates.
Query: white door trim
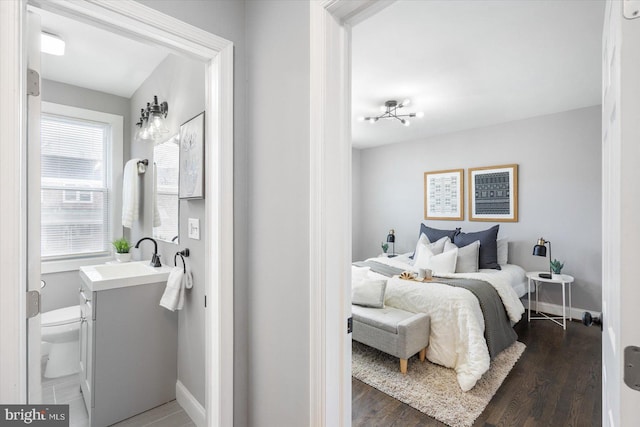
(132, 18)
(13, 222)
(330, 207)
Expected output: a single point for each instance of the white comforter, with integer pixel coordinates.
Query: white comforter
(457, 325)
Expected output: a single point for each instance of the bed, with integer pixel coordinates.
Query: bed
(457, 324)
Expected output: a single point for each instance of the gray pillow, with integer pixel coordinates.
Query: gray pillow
(368, 293)
(467, 257)
(433, 234)
(488, 257)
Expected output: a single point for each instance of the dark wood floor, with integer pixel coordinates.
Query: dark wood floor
(556, 382)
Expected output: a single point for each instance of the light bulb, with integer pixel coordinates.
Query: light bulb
(361, 119)
(405, 102)
(420, 114)
(372, 120)
(406, 122)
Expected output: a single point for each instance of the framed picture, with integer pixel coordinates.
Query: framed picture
(443, 197)
(191, 185)
(493, 193)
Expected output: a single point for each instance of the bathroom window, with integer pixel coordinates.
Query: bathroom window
(78, 191)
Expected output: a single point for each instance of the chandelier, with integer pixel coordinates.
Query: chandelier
(390, 111)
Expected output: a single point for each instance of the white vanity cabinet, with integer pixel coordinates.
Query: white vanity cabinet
(128, 351)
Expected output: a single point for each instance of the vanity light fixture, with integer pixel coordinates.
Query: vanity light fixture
(390, 111)
(151, 124)
(51, 44)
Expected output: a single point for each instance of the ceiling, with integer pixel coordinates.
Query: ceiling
(98, 59)
(468, 64)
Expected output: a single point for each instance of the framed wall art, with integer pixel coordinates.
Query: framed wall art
(191, 184)
(493, 193)
(443, 198)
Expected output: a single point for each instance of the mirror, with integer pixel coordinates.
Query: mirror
(166, 222)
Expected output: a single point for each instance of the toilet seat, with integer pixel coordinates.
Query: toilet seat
(61, 316)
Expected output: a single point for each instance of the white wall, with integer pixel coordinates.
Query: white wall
(559, 192)
(278, 206)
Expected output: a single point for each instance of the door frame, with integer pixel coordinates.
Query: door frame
(130, 18)
(330, 206)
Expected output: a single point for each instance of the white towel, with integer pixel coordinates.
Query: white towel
(173, 296)
(157, 222)
(130, 193)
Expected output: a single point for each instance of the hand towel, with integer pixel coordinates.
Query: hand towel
(157, 222)
(130, 193)
(173, 296)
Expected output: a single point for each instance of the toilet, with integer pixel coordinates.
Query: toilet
(60, 334)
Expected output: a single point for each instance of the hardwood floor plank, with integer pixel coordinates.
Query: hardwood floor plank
(556, 382)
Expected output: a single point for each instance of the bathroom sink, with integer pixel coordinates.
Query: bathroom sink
(118, 275)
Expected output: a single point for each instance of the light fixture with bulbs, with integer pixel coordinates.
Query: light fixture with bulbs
(152, 125)
(51, 44)
(390, 111)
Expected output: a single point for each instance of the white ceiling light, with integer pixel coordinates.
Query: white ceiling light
(51, 44)
(390, 111)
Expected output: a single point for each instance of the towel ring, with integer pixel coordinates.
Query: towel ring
(182, 254)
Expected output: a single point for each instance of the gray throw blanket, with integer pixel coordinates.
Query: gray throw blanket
(497, 330)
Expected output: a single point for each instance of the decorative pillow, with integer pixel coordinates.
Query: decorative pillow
(435, 247)
(503, 251)
(444, 263)
(467, 256)
(433, 234)
(369, 293)
(488, 246)
(359, 273)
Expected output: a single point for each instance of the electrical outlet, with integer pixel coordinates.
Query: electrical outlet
(194, 228)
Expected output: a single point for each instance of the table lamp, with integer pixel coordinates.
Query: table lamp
(391, 238)
(541, 250)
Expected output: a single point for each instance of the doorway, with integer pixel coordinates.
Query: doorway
(134, 20)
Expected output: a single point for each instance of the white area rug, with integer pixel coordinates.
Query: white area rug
(430, 388)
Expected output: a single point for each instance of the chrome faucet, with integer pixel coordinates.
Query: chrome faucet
(155, 259)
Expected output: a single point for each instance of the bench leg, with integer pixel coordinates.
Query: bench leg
(403, 366)
(423, 354)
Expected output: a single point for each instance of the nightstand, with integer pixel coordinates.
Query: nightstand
(565, 280)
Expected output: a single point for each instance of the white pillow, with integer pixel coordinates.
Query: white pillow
(359, 273)
(435, 247)
(444, 263)
(467, 256)
(503, 250)
(368, 293)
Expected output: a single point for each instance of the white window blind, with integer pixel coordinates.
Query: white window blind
(75, 190)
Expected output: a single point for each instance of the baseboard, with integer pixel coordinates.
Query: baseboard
(190, 404)
(556, 309)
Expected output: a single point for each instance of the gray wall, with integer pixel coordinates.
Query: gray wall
(356, 202)
(227, 19)
(278, 256)
(62, 288)
(559, 158)
(181, 83)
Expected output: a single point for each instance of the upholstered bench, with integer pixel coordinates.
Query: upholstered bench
(391, 330)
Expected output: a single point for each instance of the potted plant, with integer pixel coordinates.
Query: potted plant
(556, 269)
(122, 247)
(384, 247)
